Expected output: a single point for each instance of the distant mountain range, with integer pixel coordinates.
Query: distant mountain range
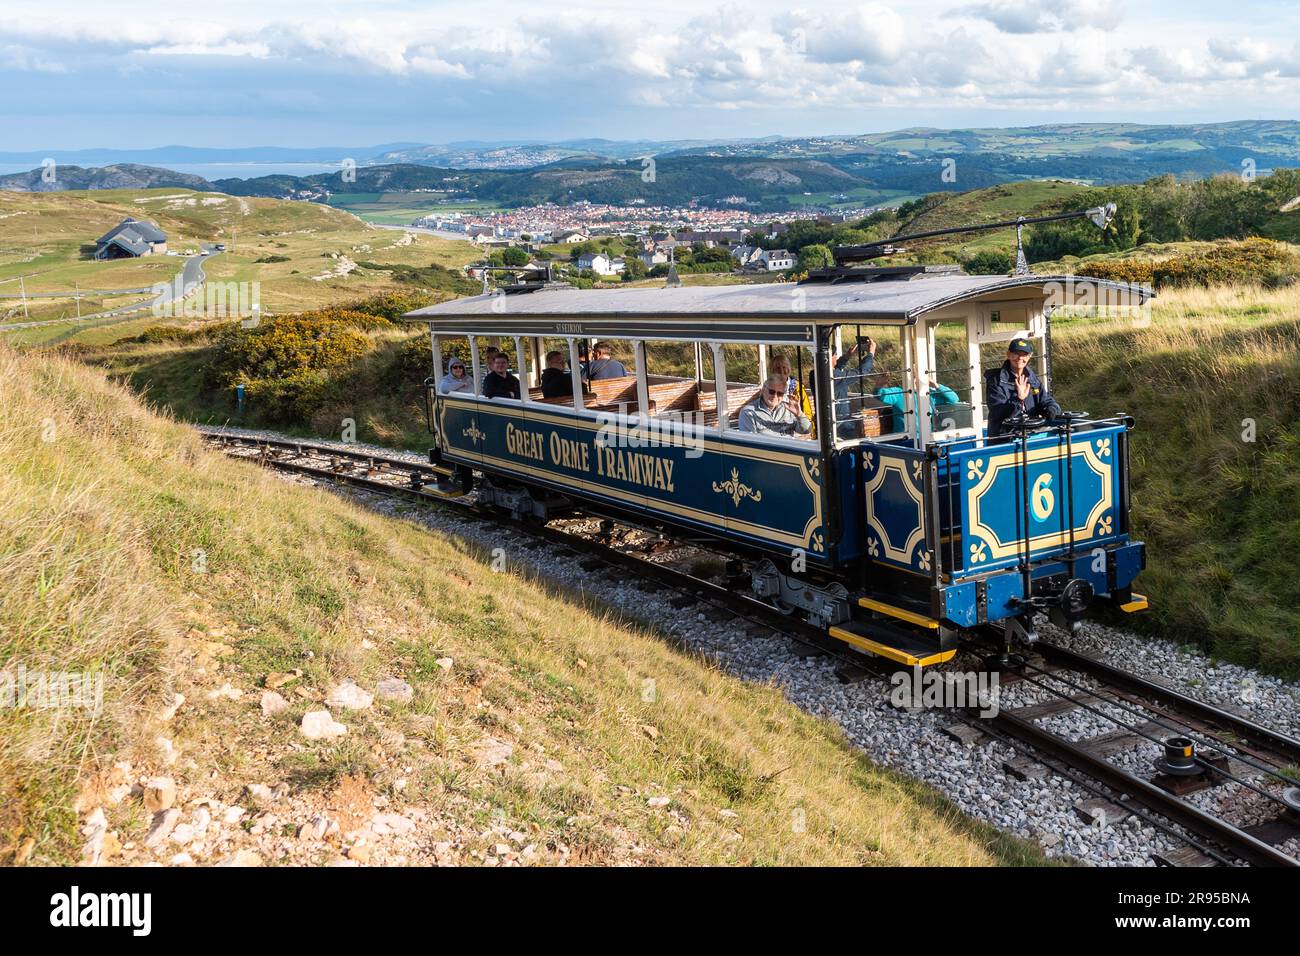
(201, 155)
(765, 173)
(120, 176)
(1271, 138)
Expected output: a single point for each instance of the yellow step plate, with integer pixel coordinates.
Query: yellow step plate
(895, 654)
(902, 614)
(436, 492)
(1137, 602)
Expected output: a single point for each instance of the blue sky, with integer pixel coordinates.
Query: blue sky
(79, 74)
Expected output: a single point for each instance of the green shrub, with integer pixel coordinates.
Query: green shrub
(284, 363)
(432, 277)
(1138, 271)
(179, 334)
(272, 258)
(1249, 261)
(990, 262)
(393, 305)
(345, 315)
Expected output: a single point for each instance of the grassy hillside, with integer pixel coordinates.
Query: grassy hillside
(1218, 512)
(129, 549)
(297, 251)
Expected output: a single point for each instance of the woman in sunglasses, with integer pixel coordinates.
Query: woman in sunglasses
(456, 379)
(770, 414)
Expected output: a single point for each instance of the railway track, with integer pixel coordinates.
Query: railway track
(1203, 748)
(1227, 749)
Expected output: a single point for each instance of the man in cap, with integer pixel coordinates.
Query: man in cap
(1014, 388)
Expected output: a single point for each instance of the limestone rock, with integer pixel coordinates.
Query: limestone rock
(396, 689)
(319, 725)
(349, 696)
(159, 794)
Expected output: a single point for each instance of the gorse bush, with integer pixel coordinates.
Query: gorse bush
(284, 363)
(1137, 271)
(393, 305)
(1249, 262)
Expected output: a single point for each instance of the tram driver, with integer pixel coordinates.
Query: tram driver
(1014, 389)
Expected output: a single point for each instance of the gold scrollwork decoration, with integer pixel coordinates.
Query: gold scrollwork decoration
(473, 433)
(737, 489)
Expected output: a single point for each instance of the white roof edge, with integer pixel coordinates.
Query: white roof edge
(894, 301)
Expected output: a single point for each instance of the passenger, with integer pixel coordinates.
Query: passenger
(499, 383)
(602, 366)
(455, 380)
(1014, 388)
(797, 395)
(769, 413)
(556, 381)
(896, 398)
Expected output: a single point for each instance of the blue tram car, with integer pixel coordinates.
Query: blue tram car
(897, 522)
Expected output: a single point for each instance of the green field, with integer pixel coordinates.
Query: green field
(856, 198)
(402, 208)
(313, 240)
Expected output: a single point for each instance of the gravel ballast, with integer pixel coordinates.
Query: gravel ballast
(912, 740)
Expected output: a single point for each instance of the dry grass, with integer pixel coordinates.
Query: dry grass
(100, 526)
(45, 235)
(1218, 511)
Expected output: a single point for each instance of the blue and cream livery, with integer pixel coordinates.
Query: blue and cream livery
(898, 529)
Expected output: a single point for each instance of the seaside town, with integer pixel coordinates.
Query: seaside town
(661, 231)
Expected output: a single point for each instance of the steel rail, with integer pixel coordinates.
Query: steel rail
(1231, 838)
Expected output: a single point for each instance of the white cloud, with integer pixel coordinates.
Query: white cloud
(1046, 16)
(757, 57)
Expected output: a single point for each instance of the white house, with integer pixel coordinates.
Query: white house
(746, 255)
(778, 260)
(652, 259)
(571, 236)
(600, 263)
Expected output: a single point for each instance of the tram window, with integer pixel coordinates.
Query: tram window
(872, 391)
(492, 348)
(554, 379)
(609, 376)
(673, 382)
(455, 358)
(799, 367)
(950, 378)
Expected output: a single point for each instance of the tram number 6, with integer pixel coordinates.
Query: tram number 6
(1043, 501)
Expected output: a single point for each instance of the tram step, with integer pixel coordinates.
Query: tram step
(1138, 602)
(915, 617)
(891, 643)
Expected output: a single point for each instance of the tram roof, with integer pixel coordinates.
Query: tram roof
(892, 302)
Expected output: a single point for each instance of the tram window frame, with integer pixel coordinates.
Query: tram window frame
(971, 373)
(510, 341)
(904, 375)
(545, 344)
(699, 365)
(801, 358)
(460, 347)
(692, 370)
(623, 356)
